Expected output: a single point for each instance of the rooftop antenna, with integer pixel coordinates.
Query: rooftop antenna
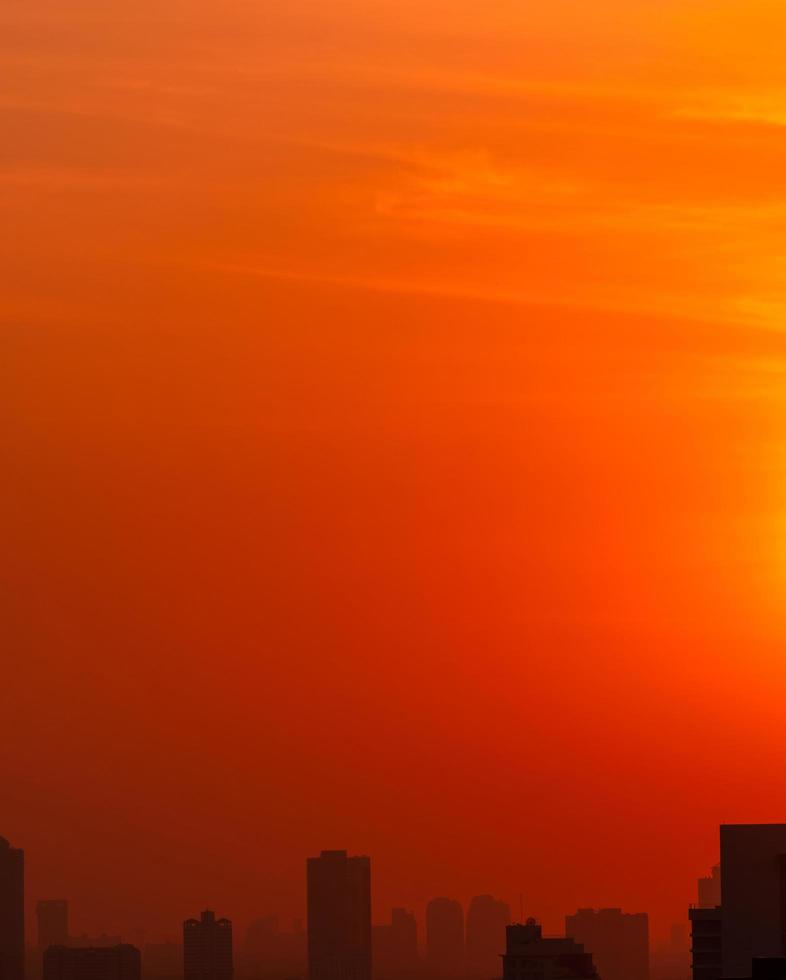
(521, 907)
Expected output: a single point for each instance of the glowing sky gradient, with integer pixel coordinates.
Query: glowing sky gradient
(394, 447)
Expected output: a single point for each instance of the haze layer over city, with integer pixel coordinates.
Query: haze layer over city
(736, 931)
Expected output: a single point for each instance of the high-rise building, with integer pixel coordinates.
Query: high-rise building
(12, 912)
(395, 946)
(339, 917)
(487, 920)
(619, 941)
(709, 888)
(531, 956)
(445, 937)
(52, 915)
(207, 948)
(705, 928)
(121, 962)
(753, 892)
(705, 942)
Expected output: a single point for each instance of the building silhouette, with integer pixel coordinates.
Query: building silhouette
(705, 928)
(445, 937)
(52, 915)
(395, 946)
(339, 916)
(12, 912)
(121, 962)
(709, 888)
(753, 892)
(705, 943)
(487, 920)
(207, 948)
(740, 919)
(531, 956)
(619, 941)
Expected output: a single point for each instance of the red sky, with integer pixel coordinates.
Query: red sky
(394, 448)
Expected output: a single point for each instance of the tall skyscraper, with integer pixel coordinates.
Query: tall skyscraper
(12, 912)
(339, 916)
(445, 937)
(121, 962)
(207, 948)
(395, 947)
(706, 942)
(52, 915)
(487, 920)
(706, 958)
(753, 894)
(531, 956)
(619, 941)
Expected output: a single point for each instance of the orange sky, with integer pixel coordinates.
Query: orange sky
(394, 447)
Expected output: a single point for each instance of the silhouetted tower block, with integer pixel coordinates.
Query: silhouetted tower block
(706, 943)
(395, 946)
(619, 941)
(709, 888)
(706, 956)
(753, 890)
(52, 915)
(487, 920)
(339, 917)
(445, 937)
(12, 912)
(121, 962)
(207, 948)
(531, 956)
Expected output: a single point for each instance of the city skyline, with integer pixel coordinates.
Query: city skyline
(86, 930)
(737, 931)
(53, 919)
